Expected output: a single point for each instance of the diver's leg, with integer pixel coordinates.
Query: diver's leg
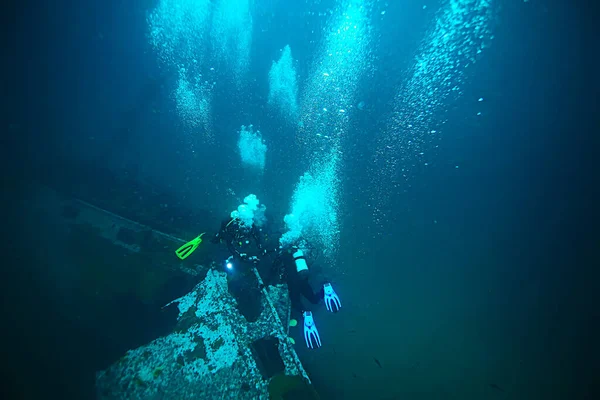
(295, 298)
(310, 295)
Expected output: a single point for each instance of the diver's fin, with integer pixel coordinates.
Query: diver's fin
(184, 251)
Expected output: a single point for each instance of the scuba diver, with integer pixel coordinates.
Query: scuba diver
(241, 233)
(243, 242)
(290, 265)
(242, 237)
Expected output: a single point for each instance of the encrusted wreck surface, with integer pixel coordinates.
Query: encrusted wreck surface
(214, 352)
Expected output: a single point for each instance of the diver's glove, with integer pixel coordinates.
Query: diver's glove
(331, 298)
(310, 331)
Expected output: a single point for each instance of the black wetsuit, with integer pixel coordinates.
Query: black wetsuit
(245, 247)
(298, 285)
(242, 243)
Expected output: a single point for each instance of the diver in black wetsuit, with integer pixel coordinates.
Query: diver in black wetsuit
(243, 243)
(244, 246)
(291, 267)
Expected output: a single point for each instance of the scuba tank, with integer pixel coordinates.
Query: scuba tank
(300, 261)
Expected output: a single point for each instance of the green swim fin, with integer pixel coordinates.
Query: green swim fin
(184, 251)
